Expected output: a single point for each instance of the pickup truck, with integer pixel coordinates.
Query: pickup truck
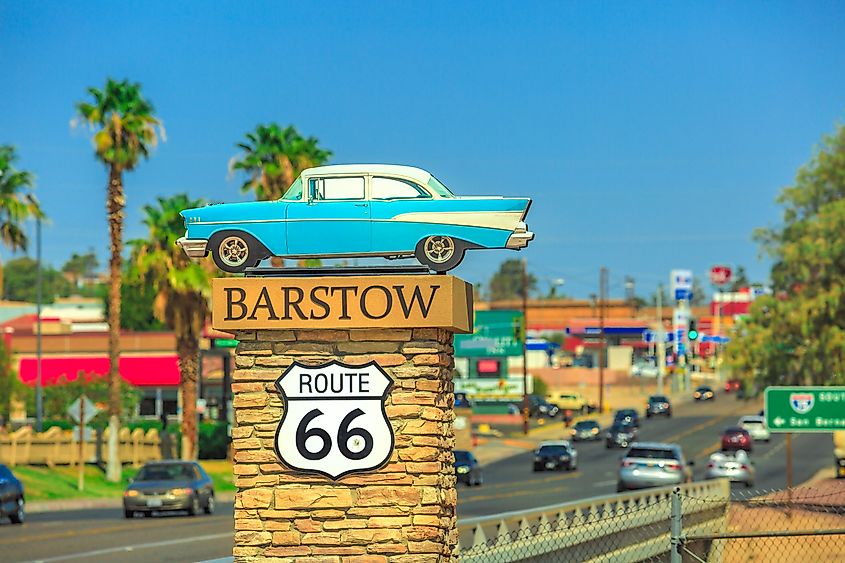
(568, 401)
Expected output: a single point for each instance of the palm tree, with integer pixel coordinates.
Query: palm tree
(273, 158)
(17, 203)
(184, 288)
(125, 129)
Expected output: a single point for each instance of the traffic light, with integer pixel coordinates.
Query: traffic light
(693, 331)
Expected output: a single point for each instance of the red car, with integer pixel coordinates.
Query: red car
(736, 438)
(732, 385)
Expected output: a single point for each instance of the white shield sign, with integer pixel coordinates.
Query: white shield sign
(334, 422)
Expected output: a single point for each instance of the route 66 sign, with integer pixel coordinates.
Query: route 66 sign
(334, 421)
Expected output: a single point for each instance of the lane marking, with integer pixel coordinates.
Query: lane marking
(550, 479)
(605, 483)
(518, 493)
(127, 548)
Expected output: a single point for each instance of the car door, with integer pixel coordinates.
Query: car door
(333, 219)
(392, 198)
(7, 487)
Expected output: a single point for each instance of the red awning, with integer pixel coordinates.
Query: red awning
(141, 371)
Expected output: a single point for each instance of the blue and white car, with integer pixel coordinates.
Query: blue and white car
(357, 210)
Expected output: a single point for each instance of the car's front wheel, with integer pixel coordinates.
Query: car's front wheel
(235, 251)
(209, 505)
(17, 517)
(440, 253)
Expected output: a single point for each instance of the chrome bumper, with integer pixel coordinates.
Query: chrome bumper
(520, 238)
(194, 248)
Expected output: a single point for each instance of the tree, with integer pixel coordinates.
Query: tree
(740, 279)
(273, 158)
(137, 300)
(20, 282)
(17, 202)
(125, 129)
(506, 283)
(699, 294)
(797, 336)
(184, 288)
(81, 266)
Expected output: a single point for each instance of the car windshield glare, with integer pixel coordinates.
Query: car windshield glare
(169, 472)
(439, 188)
(649, 453)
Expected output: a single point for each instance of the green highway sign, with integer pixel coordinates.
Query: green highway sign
(225, 343)
(805, 409)
(497, 333)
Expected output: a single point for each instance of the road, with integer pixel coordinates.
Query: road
(103, 535)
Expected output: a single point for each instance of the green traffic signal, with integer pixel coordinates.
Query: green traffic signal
(693, 334)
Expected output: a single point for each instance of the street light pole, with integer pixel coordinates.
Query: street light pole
(525, 407)
(661, 343)
(602, 298)
(39, 402)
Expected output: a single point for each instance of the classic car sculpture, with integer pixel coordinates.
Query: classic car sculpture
(344, 211)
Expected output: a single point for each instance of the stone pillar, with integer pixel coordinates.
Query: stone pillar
(404, 511)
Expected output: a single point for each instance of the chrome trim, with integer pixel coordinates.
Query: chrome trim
(520, 238)
(194, 248)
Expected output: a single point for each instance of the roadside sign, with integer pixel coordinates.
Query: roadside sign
(225, 343)
(77, 412)
(721, 275)
(497, 333)
(805, 409)
(334, 420)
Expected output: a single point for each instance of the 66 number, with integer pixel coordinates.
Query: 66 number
(343, 435)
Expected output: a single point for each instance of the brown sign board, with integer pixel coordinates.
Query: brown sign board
(342, 302)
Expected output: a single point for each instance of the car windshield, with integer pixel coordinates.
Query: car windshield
(735, 430)
(586, 424)
(553, 450)
(625, 414)
(649, 453)
(703, 389)
(439, 188)
(659, 399)
(461, 457)
(294, 192)
(622, 427)
(166, 472)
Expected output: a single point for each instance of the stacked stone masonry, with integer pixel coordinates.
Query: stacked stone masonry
(403, 512)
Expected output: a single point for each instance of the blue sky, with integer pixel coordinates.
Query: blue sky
(651, 135)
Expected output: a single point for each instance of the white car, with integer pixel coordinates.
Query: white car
(756, 426)
(644, 369)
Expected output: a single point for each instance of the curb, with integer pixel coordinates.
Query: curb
(64, 505)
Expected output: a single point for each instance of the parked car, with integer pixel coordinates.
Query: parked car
(169, 486)
(11, 496)
(704, 393)
(555, 455)
(735, 466)
(467, 469)
(586, 430)
(644, 368)
(627, 415)
(620, 435)
(736, 438)
(568, 401)
(756, 426)
(357, 210)
(538, 407)
(732, 385)
(658, 404)
(652, 464)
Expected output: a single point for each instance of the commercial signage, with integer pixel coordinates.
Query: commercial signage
(497, 333)
(805, 409)
(721, 276)
(681, 284)
(334, 420)
(492, 388)
(342, 302)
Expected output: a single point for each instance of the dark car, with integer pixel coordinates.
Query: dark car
(732, 385)
(658, 404)
(628, 416)
(620, 434)
(586, 430)
(704, 393)
(736, 438)
(11, 496)
(555, 455)
(467, 469)
(538, 407)
(169, 486)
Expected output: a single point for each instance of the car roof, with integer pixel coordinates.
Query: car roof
(752, 418)
(656, 446)
(553, 443)
(413, 172)
(588, 421)
(171, 462)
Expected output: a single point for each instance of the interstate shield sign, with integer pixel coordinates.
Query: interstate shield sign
(334, 421)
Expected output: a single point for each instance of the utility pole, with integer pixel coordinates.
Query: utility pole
(661, 341)
(602, 344)
(525, 407)
(39, 400)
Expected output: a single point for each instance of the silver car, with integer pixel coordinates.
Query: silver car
(756, 426)
(653, 464)
(736, 466)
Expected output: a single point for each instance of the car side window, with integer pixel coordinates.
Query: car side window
(395, 188)
(336, 189)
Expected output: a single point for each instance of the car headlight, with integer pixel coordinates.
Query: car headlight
(696, 394)
(463, 469)
(131, 493)
(538, 458)
(595, 430)
(564, 458)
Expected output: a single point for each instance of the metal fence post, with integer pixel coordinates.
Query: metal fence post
(676, 529)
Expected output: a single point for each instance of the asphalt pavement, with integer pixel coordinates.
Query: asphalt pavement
(100, 535)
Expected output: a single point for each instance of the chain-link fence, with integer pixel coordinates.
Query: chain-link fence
(694, 522)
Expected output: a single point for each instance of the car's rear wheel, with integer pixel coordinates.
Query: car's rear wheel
(440, 253)
(17, 517)
(235, 251)
(129, 514)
